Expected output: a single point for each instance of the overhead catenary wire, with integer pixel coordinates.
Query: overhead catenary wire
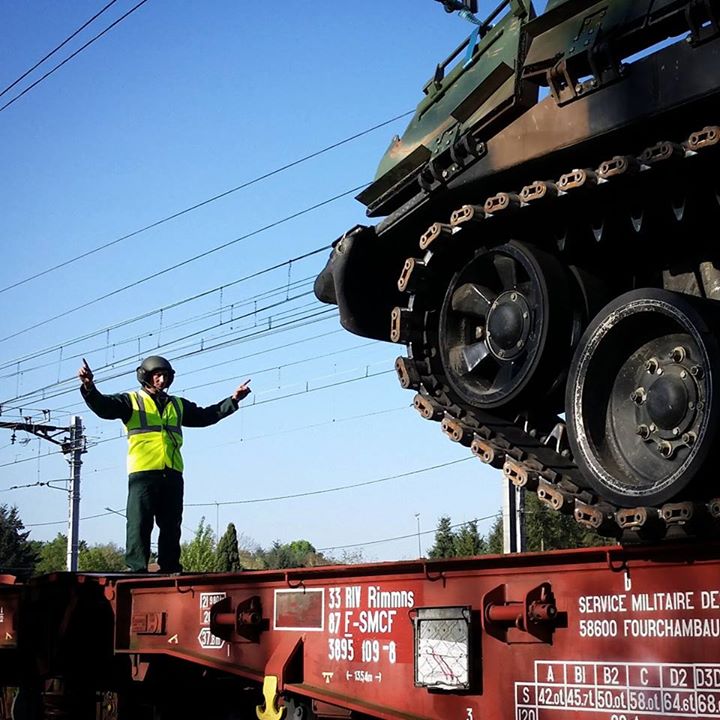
(142, 316)
(39, 483)
(405, 537)
(366, 376)
(72, 55)
(155, 331)
(203, 203)
(324, 491)
(288, 431)
(57, 48)
(387, 478)
(43, 393)
(257, 353)
(253, 372)
(285, 431)
(187, 261)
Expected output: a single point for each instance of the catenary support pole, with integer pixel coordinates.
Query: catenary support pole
(77, 447)
(513, 519)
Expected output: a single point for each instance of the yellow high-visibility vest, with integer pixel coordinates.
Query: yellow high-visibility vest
(154, 439)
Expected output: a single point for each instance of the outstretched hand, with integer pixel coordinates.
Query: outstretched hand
(241, 392)
(86, 375)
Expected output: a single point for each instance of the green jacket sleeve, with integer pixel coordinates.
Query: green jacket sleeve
(195, 416)
(107, 407)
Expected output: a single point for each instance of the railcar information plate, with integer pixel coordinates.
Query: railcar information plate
(620, 691)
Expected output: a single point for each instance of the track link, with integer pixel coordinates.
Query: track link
(587, 206)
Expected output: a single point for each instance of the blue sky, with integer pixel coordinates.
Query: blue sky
(178, 103)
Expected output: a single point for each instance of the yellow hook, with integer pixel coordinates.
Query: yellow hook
(270, 710)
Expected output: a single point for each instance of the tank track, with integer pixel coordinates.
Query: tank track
(531, 448)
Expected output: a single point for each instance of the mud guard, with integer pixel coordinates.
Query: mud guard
(361, 280)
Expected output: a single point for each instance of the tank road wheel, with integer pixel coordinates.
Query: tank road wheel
(506, 327)
(642, 407)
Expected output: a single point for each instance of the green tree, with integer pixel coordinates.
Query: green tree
(198, 555)
(17, 555)
(444, 546)
(102, 557)
(53, 555)
(279, 556)
(546, 529)
(298, 553)
(468, 541)
(494, 539)
(228, 552)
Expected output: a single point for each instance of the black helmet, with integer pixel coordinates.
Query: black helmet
(152, 364)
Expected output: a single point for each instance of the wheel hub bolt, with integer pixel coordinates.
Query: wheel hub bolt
(638, 396)
(696, 371)
(652, 365)
(479, 332)
(643, 431)
(665, 448)
(678, 354)
(676, 431)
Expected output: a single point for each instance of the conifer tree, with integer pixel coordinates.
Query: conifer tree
(228, 554)
(17, 554)
(444, 546)
(468, 541)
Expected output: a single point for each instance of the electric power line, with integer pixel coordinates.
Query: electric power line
(191, 298)
(64, 522)
(110, 511)
(68, 408)
(404, 537)
(198, 205)
(338, 488)
(71, 56)
(43, 392)
(155, 333)
(182, 263)
(308, 389)
(59, 47)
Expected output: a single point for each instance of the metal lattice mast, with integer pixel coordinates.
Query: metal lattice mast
(72, 442)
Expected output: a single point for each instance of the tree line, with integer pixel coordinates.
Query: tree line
(545, 529)
(24, 558)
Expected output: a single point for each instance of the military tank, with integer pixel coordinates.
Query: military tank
(548, 256)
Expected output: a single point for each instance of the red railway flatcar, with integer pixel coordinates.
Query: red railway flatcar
(613, 633)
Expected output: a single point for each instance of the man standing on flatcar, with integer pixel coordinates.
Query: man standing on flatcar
(154, 420)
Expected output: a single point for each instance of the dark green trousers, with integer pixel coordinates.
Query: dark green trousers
(154, 496)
